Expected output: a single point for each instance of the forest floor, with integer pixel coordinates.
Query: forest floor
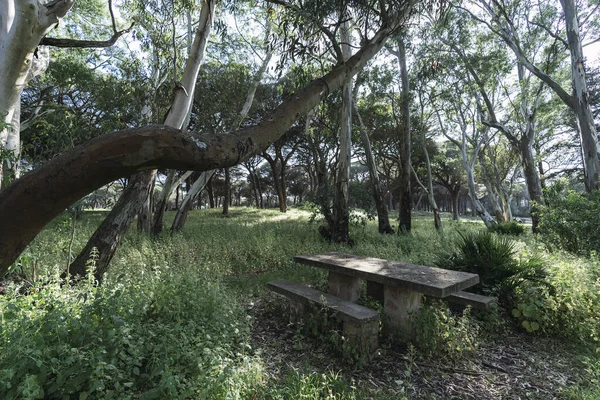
(509, 366)
(194, 316)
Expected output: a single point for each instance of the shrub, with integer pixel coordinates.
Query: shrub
(493, 258)
(570, 220)
(569, 307)
(162, 335)
(509, 228)
(439, 331)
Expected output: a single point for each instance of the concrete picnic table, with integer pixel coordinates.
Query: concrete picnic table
(398, 285)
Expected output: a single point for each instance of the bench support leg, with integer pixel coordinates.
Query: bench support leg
(297, 311)
(361, 340)
(398, 304)
(344, 286)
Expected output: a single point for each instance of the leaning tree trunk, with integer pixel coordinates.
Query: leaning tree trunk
(383, 218)
(107, 237)
(187, 202)
(340, 229)
(437, 220)
(405, 203)
(32, 201)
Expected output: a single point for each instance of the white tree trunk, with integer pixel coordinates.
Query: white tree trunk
(184, 97)
(581, 95)
(23, 23)
(341, 213)
(203, 179)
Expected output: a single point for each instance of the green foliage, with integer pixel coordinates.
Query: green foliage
(162, 334)
(493, 258)
(509, 228)
(439, 331)
(167, 308)
(569, 306)
(570, 220)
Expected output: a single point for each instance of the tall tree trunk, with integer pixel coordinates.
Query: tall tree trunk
(279, 187)
(107, 237)
(22, 26)
(227, 197)
(437, 220)
(534, 183)
(340, 232)
(145, 213)
(581, 96)
(383, 218)
(254, 179)
(211, 194)
(405, 203)
(455, 205)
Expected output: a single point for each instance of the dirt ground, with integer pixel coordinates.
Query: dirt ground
(507, 366)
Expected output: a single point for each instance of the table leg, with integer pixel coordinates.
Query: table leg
(344, 286)
(397, 306)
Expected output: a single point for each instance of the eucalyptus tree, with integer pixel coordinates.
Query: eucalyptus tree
(383, 219)
(499, 165)
(509, 96)
(461, 115)
(449, 173)
(424, 116)
(513, 22)
(107, 237)
(405, 203)
(24, 26)
(80, 171)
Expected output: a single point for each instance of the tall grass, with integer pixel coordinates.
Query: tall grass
(169, 319)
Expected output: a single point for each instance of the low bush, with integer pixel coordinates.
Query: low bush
(509, 228)
(568, 307)
(441, 332)
(494, 259)
(161, 335)
(570, 220)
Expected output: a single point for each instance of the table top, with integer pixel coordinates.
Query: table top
(436, 282)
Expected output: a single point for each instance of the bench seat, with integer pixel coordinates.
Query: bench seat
(360, 324)
(471, 299)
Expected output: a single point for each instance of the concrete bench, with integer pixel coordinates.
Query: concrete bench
(360, 324)
(471, 299)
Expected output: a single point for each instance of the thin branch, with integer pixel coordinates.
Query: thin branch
(549, 32)
(85, 44)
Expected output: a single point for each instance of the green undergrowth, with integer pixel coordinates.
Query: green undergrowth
(170, 319)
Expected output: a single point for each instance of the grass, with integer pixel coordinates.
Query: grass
(188, 316)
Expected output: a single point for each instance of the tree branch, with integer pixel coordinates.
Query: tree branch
(87, 44)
